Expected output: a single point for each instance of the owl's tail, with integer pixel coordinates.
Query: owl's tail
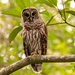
(37, 67)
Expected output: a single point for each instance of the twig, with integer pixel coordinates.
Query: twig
(56, 23)
(64, 10)
(50, 20)
(64, 18)
(36, 59)
(61, 14)
(69, 24)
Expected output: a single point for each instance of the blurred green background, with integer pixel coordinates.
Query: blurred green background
(61, 38)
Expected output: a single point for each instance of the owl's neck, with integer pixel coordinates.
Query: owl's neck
(33, 25)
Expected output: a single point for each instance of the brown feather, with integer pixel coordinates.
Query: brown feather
(34, 36)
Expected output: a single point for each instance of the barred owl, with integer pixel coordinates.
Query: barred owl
(34, 35)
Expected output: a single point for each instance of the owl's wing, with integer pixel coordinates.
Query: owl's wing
(26, 47)
(44, 40)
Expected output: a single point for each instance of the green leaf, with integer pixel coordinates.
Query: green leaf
(44, 12)
(67, 1)
(71, 12)
(21, 4)
(66, 14)
(54, 2)
(12, 12)
(44, 2)
(14, 33)
(27, 3)
(68, 67)
(1, 59)
(73, 64)
(73, 70)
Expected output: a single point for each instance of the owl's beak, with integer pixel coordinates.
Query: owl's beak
(30, 18)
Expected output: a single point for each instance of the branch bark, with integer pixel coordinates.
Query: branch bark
(36, 59)
(56, 23)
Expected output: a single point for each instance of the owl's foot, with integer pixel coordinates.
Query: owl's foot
(39, 52)
(33, 53)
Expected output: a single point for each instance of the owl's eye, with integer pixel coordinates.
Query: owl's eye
(26, 14)
(33, 13)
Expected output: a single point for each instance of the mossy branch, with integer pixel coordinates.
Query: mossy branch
(36, 59)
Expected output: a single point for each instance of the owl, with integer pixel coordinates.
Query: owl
(34, 35)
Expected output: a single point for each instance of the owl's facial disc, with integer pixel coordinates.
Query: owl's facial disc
(26, 14)
(33, 14)
(30, 14)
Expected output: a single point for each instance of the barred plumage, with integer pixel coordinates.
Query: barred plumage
(34, 35)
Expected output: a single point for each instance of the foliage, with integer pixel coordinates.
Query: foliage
(14, 33)
(61, 38)
(71, 67)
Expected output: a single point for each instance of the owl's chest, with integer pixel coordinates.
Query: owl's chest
(32, 36)
(32, 39)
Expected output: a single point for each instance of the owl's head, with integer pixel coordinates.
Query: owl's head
(30, 14)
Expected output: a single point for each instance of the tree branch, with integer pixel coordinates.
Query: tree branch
(64, 18)
(56, 23)
(36, 59)
(69, 24)
(64, 10)
(50, 20)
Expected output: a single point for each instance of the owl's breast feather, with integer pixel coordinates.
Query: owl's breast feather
(33, 25)
(32, 39)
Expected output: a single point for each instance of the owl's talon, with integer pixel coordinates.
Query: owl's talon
(33, 53)
(39, 52)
